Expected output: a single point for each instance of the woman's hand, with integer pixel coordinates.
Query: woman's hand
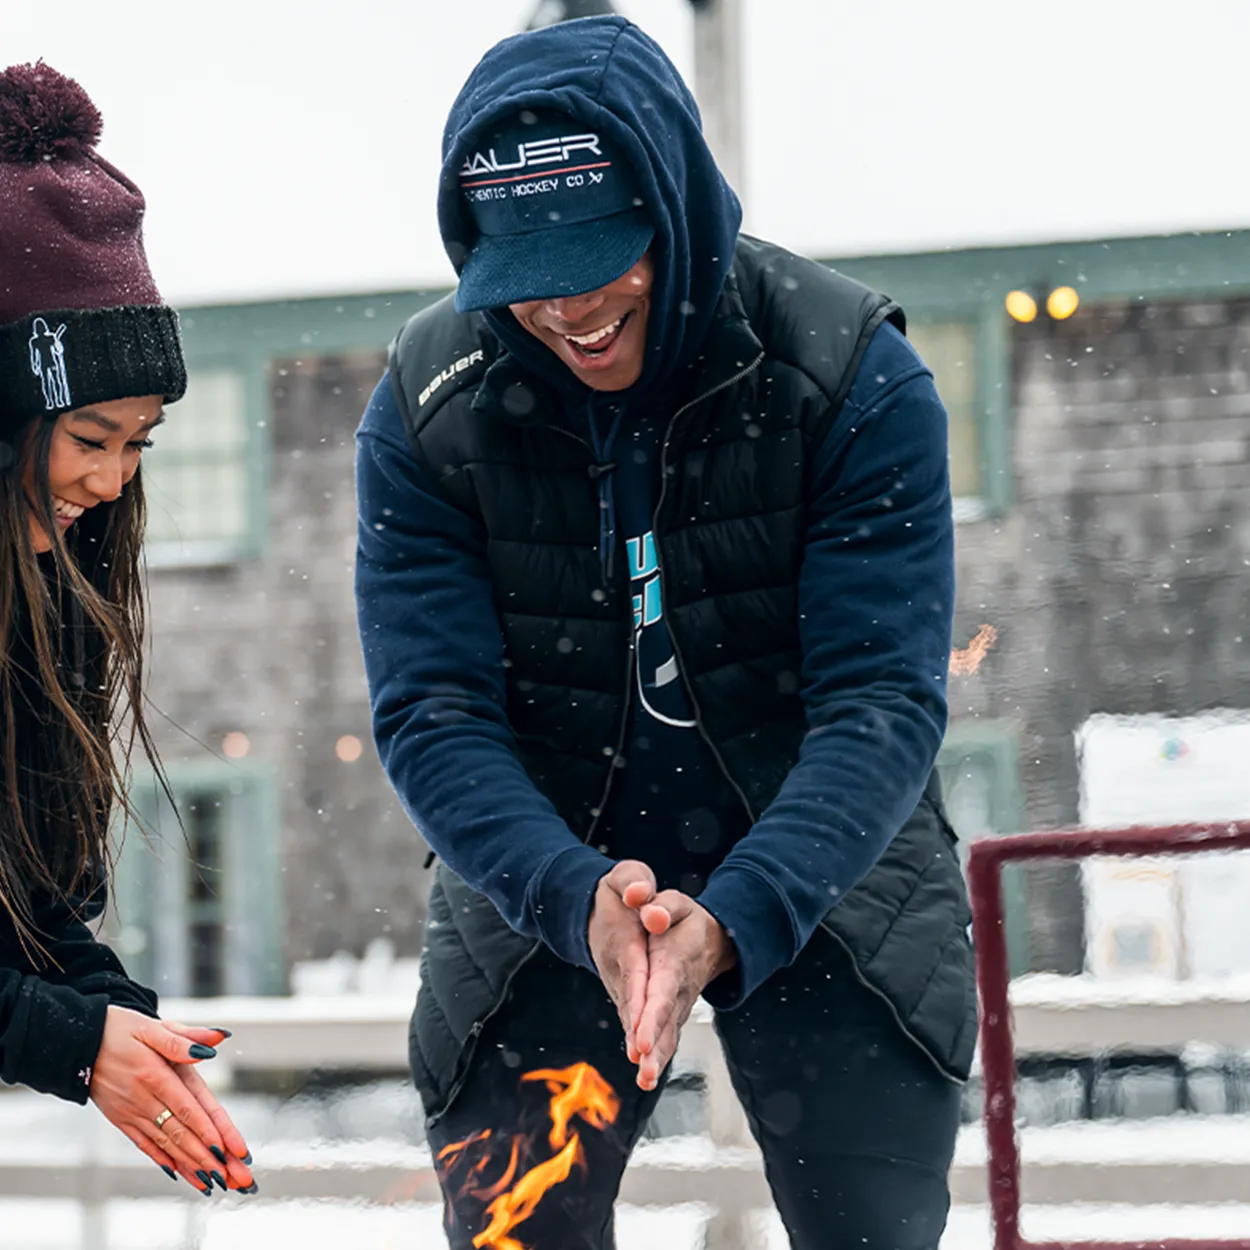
(144, 1068)
(236, 1148)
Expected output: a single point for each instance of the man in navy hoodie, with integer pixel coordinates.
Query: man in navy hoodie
(655, 585)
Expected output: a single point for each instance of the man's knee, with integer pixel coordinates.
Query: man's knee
(868, 1204)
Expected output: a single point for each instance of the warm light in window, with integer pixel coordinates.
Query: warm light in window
(349, 748)
(235, 746)
(1021, 306)
(1062, 302)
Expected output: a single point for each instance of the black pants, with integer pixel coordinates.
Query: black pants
(856, 1125)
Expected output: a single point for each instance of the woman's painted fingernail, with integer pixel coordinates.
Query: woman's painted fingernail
(208, 1193)
(204, 1180)
(251, 1189)
(199, 1051)
(173, 1176)
(223, 1032)
(221, 1180)
(247, 1159)
(218, 1154)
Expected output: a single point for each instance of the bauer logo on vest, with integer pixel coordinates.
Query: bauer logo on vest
(465, 362)
(47, 363)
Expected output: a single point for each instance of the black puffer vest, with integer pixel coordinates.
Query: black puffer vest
(730, 525)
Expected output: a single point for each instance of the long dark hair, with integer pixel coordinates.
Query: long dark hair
(71, 686)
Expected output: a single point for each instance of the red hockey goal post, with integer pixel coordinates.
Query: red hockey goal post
(985, 864)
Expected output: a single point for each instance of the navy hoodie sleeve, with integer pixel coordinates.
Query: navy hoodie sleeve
(876, 594)
(434, 656)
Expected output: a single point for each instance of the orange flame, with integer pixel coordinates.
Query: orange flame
(517, 1205)
(966, 660)
(577, 1092)
(449, 1156)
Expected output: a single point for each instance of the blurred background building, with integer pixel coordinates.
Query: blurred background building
(1092, 358)
(1057, 197)
(1098, 445)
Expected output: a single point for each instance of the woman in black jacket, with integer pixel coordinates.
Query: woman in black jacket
(89, 355)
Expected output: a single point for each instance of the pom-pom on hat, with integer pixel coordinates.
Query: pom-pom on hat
(81, 321)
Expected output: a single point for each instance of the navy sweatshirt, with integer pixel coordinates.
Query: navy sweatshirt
(671, 806)
(875, 593)
(434, 654)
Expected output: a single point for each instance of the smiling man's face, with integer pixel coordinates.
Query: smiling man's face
(602, 335)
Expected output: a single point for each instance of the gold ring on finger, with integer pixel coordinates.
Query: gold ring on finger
(164, 1115)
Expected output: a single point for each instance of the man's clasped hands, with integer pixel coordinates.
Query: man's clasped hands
(655, 952)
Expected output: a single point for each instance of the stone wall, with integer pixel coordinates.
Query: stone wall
(268, 647)
(1118, 581)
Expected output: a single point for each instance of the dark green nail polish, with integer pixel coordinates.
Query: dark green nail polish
(221, 1180)
(173, 1176)
(199, 1051)
(202, 1177)
(251, 1189)
(218, 1154)
(208, 1193)
(223, 1032)
(247, 1159)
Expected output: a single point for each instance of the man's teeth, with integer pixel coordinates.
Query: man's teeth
(69, 511)
(589, 340)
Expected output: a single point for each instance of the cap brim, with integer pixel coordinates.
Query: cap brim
(551, 264)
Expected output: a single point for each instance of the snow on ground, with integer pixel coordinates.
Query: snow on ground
(1167, 1139)
(36, 1130)
(1171, 1139)
(1048, 989)
(234, 1225)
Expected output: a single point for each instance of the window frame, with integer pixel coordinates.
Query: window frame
(997, 744)
(991, 391)
(251, 369)
(253, 915)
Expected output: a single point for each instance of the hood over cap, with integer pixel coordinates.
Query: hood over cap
(606, 74)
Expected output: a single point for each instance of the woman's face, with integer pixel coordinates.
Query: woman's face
(94, 453)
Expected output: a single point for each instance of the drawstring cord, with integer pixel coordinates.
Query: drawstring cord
(601, 474)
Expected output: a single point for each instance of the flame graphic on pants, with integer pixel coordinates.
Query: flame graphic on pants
(577, 1093)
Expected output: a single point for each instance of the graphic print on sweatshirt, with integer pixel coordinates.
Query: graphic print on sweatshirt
(660, 689)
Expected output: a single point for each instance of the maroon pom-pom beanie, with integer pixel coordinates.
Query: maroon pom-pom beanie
(81, 321)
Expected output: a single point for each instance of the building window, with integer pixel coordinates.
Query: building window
(199, 905)
(200, 477)
(949, 348)
(206, 891)
(979, 766)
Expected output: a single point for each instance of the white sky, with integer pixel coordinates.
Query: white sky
(291, 147)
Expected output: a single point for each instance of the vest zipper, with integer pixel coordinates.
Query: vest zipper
(469, 1049)
(655, 528)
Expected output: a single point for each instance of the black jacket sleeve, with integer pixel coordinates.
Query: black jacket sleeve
(52, 1017)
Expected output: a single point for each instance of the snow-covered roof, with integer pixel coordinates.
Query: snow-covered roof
(291, 149)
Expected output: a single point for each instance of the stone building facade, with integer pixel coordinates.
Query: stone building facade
(1118, 580)
(1109, 552)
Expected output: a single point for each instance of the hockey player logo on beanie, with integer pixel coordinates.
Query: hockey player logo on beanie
(47, 363)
